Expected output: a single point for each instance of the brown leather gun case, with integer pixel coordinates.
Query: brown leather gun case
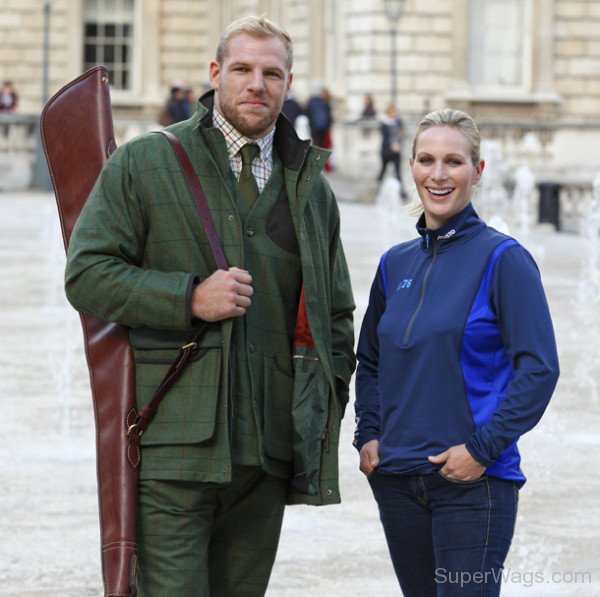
(77, 134)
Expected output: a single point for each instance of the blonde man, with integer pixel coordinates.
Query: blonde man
(253, 422)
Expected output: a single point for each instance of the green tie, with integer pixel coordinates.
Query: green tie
(247, 180)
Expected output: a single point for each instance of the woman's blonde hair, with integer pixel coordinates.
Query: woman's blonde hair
(456, 119)
(256, 27)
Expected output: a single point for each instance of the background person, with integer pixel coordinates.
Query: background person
(253, 422)
(318, 111)
(392, 133)
(368, 110)
(8, 97)
(457, 360)
(291, 109)
(177, 107)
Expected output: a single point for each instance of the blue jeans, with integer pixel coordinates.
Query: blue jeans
(446, 538)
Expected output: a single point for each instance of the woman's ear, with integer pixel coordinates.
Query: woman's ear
(479, 171)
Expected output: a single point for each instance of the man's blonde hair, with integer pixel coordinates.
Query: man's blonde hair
(256, 27)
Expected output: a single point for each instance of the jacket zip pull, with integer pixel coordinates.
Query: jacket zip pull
(427, 241)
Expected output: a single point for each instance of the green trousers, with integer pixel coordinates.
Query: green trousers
(206, 539)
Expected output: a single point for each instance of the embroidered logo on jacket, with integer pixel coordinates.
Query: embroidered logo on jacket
(448, 234)
(406, 283)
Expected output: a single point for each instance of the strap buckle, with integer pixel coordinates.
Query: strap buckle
(134, 428)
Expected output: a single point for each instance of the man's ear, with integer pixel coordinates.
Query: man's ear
(213, 71)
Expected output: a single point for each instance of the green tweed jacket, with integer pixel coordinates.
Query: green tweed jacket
(135, 255)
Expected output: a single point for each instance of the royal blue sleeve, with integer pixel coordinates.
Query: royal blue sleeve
(519, 302)
(367, 406)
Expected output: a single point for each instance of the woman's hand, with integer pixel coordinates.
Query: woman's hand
(458, 464)
(369, 457)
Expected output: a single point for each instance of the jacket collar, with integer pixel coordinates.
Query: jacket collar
(291, 149)
(463, 225)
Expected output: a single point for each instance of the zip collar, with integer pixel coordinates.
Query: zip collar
(463, 225)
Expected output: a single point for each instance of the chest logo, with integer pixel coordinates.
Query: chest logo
(406, 283)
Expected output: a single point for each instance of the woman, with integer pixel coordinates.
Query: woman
(457, 359)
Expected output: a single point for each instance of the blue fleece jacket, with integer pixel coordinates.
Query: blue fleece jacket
(456, 347)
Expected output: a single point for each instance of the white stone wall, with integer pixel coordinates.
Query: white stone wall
(577, 58)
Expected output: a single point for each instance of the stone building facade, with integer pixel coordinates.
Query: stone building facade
(526, 69)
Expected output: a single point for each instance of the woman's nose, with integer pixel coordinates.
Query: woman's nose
(439, 171)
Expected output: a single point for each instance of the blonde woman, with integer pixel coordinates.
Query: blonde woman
(457, 360)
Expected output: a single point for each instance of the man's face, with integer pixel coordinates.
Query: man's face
(252, 83)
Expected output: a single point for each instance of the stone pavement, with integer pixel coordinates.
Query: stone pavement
(49, 537)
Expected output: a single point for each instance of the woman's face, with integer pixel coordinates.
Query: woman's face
(444, 173)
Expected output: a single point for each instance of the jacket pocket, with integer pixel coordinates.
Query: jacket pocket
(277, 412)
(187, 414)
(310, 404)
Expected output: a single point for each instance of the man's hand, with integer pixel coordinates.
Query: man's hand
(369, 457)
(459, 465)
(222, 295)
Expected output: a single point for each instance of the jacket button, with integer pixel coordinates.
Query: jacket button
(252, 347)
(329, 492)
(317, 158)
(230, 217)
(250, 231)
(307, 178)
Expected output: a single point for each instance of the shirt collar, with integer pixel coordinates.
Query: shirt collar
(235, 140)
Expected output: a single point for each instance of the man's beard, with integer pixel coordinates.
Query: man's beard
(242, 124)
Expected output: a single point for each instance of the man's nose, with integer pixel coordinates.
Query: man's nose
(257, 81)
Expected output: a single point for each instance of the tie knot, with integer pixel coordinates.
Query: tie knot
(249, 152)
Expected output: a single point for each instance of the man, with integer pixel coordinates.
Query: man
(253, 422)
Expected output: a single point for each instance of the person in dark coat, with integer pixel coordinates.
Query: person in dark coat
(292, 109)
(392, 133)
(318, 111)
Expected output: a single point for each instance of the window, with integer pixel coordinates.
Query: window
(500, 54)
(108, 38)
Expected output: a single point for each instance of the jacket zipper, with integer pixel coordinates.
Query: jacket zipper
(421, 296)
